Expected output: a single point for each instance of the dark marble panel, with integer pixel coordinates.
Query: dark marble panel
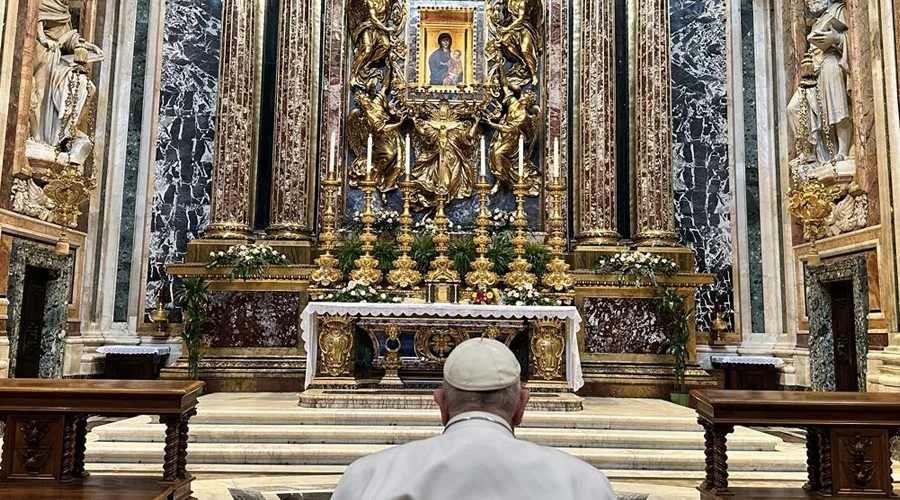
(623, 325)
(702, 183)
(181, 199)
(751, 165)
(253, 319)
(132, 158)
(53, 335)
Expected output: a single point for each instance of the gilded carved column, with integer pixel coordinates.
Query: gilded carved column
(291, 166)
(655, 199)
(597, 175)
(233, 143)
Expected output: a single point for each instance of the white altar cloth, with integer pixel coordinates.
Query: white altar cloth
(747, 360)
(569, 314)
(133, 349)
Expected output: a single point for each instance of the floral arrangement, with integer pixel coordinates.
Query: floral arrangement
(386, 222)
(526, 295)
(642, 267)
(357, 292)
(427, 225)
(489, 297)
(247, 261)
(502, 220)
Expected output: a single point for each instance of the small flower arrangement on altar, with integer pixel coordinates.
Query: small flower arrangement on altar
(386, 221)
(247, 261)
(426, 225)
(526, 295)
(502, 220)
(642, 267)
(357, 292)
(489, 297)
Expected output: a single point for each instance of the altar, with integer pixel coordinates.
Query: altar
(397, 346)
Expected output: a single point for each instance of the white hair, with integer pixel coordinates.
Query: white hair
(501, 401)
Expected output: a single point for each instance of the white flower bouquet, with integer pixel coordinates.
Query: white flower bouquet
(526, 295)
(640, 266)
(356, 292)
(247, 261)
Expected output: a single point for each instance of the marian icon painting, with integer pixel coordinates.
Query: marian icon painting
(446, 51)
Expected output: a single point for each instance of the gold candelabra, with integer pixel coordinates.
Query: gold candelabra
(558, 278)
(520, 269)
(366, 272)
(441, 267)
(404, 274)
(160, 316)
(811, 202)
(327, 273)
(482, 275)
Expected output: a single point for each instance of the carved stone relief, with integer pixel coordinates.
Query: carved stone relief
(29, 199)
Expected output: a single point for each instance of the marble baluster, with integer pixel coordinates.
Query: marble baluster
(655, 199)
(597, 200)
(293, 135)
(233, 144)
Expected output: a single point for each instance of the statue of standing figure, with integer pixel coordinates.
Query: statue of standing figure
(62, 86)
(820, 109)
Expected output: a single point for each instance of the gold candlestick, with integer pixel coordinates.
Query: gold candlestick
(327, 273)
(441, 266)
(558, 278)
(482, 276)
(520, 269)
(404, 274)
(367, 272)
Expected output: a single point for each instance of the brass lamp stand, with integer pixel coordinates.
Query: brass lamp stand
(404, 273)
(442, 279)
(558, 279)
(520, 269)
(327, 274)
(367, 272)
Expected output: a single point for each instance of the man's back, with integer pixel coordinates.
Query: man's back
(476, 457)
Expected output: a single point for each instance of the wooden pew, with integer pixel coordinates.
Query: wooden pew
(848, 440)
(45, 427)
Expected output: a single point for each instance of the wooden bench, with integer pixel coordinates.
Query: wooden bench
(848, 440)
(45, 428)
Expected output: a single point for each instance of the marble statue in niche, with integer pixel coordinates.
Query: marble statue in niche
(819, 114)
(62, 88)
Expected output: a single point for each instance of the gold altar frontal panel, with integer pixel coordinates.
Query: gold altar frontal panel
(409, 352)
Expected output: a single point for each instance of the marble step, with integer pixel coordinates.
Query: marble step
(321, 416)
(741, 440)
(344, 454)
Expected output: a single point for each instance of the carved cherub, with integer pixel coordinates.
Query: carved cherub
(522, 118)
(371, 116)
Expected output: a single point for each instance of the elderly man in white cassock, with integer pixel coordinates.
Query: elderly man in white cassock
(477, 456)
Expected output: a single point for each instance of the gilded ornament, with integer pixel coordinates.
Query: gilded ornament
(404, 273)
(557, 278)
(435, 344)
(482, 275)
(547, 348)
(336, 345)
(327, 272)
(371, 38)
(441, 267)
(371, 116)
(391, 360)
(519, 272)
(812, 202)
(366, 270)
(522, 118)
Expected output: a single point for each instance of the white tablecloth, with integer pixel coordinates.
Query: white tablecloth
(747, 360)
(568, 313)
(133, 349)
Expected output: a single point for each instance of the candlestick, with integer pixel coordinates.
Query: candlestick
(331, 151)
(408, 158)
(441, 267)
(556, 158)
(366, 270)
(557, 278)
(482, 275)
(521, 157)
(327, 273)
(483, 164)
(404, 274)
(369, 157)
(520, 269)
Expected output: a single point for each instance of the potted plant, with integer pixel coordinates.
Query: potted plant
(677, 329)
(193, 299)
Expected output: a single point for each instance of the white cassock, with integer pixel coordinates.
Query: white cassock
(477, 457)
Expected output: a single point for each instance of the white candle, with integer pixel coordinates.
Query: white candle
(521, 157)
(332, 152)
(556, 158)
(408, 158)
(369, 156)
(483, 164)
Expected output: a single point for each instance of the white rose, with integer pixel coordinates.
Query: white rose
(212, 254)
(520, 303)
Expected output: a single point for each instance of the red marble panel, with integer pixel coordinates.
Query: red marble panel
(623, 325)
(254, 319)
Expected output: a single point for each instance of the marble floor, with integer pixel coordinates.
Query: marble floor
(262, 446)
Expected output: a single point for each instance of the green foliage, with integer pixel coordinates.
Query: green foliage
(194, 300)
(386, 252)
(538, 256)
(462, 253)
(677, 319)
(501, 253)
(346, 253)
(422, 251)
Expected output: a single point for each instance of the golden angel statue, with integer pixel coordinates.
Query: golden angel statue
(519, 40)
(449, 141)
(371, 117)
(522, 118)
(371, 42)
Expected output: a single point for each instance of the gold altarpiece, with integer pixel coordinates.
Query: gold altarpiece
(446, 74)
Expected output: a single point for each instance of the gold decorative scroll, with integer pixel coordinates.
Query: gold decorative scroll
(547, 347)
(336, 345)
